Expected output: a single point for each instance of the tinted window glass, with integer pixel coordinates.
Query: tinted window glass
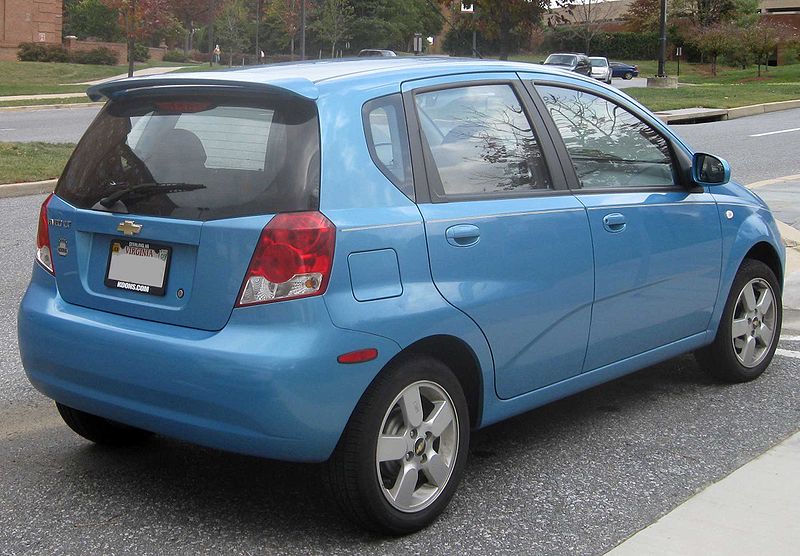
(197, 157)
(387, 139)
(481, 141)
(609, 146)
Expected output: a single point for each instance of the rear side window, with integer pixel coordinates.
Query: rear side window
(481, 141)
(387, 139)
(199, 157)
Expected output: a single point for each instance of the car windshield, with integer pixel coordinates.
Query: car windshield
(198, 157)
(560, 60)
(599, 62)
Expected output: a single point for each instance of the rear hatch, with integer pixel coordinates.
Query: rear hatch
(160, 208)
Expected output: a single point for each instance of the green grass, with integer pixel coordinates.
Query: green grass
(36, 78)
(21, 162)
(44, 101)
(715, 96)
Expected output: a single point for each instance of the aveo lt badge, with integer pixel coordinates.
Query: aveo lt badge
(129, 227)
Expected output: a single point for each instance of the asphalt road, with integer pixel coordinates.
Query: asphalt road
(575, 477)
(55, 125)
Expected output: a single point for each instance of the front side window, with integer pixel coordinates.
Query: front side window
(609, 146)
(481, 141)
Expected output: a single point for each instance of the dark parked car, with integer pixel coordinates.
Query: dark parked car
(579, 63)
(625, 71)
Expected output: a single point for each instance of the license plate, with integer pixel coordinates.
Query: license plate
(138, 266)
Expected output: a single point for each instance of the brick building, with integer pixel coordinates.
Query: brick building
(28, 21)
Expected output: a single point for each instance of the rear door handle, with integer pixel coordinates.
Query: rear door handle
(614, 222)
(462, 235)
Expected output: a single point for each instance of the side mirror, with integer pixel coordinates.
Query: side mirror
(708, 169)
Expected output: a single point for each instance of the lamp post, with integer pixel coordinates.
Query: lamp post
(258, 23)
(131, 31)
(662, 40)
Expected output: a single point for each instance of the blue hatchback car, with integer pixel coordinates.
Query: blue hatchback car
(361, 261)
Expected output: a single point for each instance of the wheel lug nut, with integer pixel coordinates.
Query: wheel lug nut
(413, 433)
(424, 458)
(409, 456)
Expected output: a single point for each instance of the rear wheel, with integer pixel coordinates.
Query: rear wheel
(628, 75)
(101, 430)
(403, 453)
(750, 327)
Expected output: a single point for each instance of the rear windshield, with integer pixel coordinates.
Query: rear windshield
(198, 157)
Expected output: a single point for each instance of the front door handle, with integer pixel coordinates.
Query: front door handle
(614, 222)
(462, 235)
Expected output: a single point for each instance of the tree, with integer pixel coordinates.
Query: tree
(192, 13)
(287, 13)
(140, 19)
(91, 18)
(585, 18)
(333, 22)
(705, 12)
(714, 41)
(393, 23)
(232, 28)
(502, 19)
(642, 16)
(763, 38)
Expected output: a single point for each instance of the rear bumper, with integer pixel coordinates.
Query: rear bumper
(267, 384)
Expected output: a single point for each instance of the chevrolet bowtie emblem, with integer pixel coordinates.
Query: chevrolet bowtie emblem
(129, 227)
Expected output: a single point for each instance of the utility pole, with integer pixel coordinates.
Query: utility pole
(662, 40)
(131, 31)
(258, 23)
(302, 29)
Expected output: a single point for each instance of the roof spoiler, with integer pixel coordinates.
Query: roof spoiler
(297, 86)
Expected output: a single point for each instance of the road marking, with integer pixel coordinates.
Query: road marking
(790, 338)
(8, 129)
(776, 132)
(788, 353)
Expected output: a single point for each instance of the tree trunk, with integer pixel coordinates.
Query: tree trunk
(131, 25)
(333, 49)
(505, 39)
(291, 49)
(714, 65)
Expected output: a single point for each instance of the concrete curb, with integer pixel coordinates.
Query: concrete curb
(707, 114)
(26, 188)
(66, 106)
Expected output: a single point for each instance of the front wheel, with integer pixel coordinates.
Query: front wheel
(750, 327)
(402, 455)
(628, 76)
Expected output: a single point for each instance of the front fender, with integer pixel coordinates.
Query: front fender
(744, 225)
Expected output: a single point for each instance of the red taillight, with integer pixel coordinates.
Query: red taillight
(293, 259)
(43, 253)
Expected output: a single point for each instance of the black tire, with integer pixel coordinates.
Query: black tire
(354, 477)
(720, 358)
(628, 76)
(100, 430)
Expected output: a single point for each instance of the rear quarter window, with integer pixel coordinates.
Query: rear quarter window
(199, 157)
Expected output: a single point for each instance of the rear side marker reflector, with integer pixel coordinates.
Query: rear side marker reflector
(360, 356)
(292, 259)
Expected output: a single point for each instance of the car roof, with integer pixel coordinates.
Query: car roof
(304, 78)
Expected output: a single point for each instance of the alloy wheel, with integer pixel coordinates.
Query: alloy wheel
(417, 446)
(753, 326)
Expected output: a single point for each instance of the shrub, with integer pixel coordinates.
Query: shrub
(175, 56)
(35, 52)
(98, 56)
(625, 46)
(140, 52)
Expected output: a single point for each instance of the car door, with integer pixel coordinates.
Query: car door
(657, 242)
(508, 244)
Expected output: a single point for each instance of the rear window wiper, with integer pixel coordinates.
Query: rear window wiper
(144, 190)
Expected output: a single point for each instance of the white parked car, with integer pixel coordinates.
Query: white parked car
(600, 68)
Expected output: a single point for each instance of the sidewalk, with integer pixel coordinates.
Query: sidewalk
(754, 510)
